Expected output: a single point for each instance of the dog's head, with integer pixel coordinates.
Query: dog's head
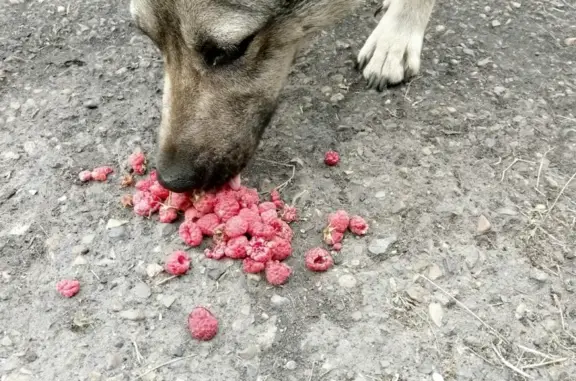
(225, 62)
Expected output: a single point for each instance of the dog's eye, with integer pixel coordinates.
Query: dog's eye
(215, 55)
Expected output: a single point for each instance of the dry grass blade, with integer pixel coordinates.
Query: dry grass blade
(509, 365)
(559, 195)
(162, 365)
(549, 362)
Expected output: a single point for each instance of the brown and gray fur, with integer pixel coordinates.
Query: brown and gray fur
(226, 61)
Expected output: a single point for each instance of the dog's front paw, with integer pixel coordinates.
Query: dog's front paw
(392, 52)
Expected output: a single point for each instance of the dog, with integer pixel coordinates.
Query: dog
(226, 61)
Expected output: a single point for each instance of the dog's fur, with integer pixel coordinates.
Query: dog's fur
(225, 62)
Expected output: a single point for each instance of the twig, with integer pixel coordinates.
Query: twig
(511, 164)
(166, 280)
(285, 183)
(462, 305)
(505, 362)
(97, 277)
(559, 194)
(312, 371)
(540, 168)
(473, 351)
(164, 364)
(544, 363)
(534, 351)
(560, 310)
(139, 356)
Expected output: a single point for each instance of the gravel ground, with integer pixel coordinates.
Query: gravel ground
(464, 174)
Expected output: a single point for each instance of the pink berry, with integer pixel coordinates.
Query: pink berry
(339, 220)
(265, 206)
(236, 248)
(261, 230)
(85, 176)
(235, 226)
(318, 259)
(190, 233)
(208, 224)
(247, 197)
(226, 208)
(332, 236)
(138, 162)
(289, 214)
(331, 158)
(205, 203)
(167, 214)
(177, 263)
(202, 324)
(282, 229)
(358, 225)
(275, 195)
(144, 185)
(277, 273)
(180, 201)
(249, 216)
(101, 173)
(269, 216)
(281, 249)
(250, 266)
(159, 191)
(337, 246)
(217, 252)
(191, 214)
(259, 250)
(68, 287)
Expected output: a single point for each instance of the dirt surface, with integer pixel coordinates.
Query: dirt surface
(488, 131)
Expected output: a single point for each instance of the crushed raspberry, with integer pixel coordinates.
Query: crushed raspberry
(208, 223)
(202, 324)
(144, 185)
(358, 225)
(235, 226)
(261, 230)
(259, 250)
(282, 229)
(85, 176)
(265, 206)
(101, 173)
(167, 214)
(235, 183)
(237, 248)
(191, 214)
(204, 203)
(269, 216)
(177, 263)
(226, 207)
(339, 220)
(250, 266)
(275, 195)
(158, 191)
(281, 249)
(145, 204)
(277, 273)
(289, 214)
(249, 216)
(217, 252)
(180, 201)
(318, 259)
(138, 162)
(331, 158)
(126, 200)
(279, 204)
(153, 176)
(332, 236)
(190, 233)
(248, 197)
(68, 287)
(337, 246)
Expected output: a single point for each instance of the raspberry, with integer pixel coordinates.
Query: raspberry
(269, 216)
(236, 248)
(279, 204)
(281, 249)
(85, 176)
(331, 158)
(318, 259)
(235, 226)
(252, 267)
(190, 233)
(235, 183)
(180, 201)
(217, 252)
(277, 273)
(339, 220)
(282, 229)
(275, 195)
(145, 204)
(249, 216)
(138, 162)
(126, 200)
(259, 250)
(265, 206)
(358, 225)
(289, 214)
(177, 263)
(248, 197)
(68, 287)
(191, 214)
(261, 230)
(337, 246)
(153, 175)
(205, 203)
(226, 208)
(159, 191)
(207, 223)
(202, 324)
(167, 214)
(144, 185)
(101, 173)
(332, 236)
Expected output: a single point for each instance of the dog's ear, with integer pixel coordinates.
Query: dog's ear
(308, 17)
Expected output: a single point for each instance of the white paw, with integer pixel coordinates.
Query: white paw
(392, 52)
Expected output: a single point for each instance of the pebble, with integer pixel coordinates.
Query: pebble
(435, 272)
(113, 223)
(279, 301)
(19, 229)
(516, 4)
(380, 194)
(499, 90)
(88, 239)
(6, 341)
(416, 293)
(30, 356)
(570, 41)
(10, 364)
(113, 361)
(290, 365)
(437, 377)
(471, 256)
(116, 232)
(337, 98)
(496, 23)
(436, 313)
(142, 290)
(538, 275)
(132, 315)
(379, 246)
(80, 261)
(356, 316)
(347, 281)
(91, 104)
(249, 352)
(483, 225)
(216, 273)
(168, 300)
(177, 350)
(80, 250)
(153, 269)
(398, 207)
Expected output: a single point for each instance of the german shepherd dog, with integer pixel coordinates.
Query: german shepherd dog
(226, 61)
